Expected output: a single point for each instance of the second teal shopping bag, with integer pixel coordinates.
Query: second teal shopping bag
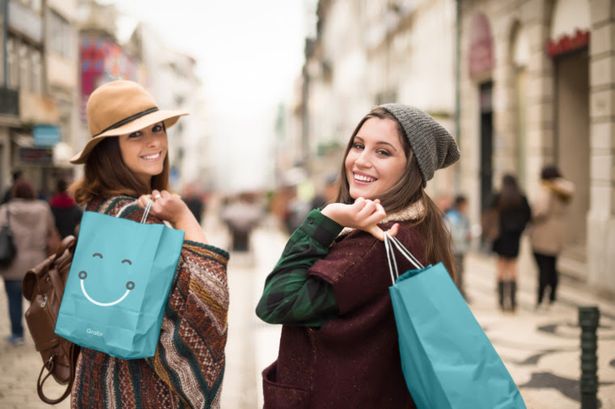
(447, 360)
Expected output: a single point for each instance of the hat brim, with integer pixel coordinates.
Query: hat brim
(168, 117)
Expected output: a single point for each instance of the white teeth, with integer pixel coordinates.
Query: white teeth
(151, 157)
(362, 178)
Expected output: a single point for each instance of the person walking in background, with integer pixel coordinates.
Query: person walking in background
(461, 234)
(327, 194)
(547, 231)
(66, 213)
(514, 213)
(126, 167)
(241, 216)
(195, 200)
(339, 345)
(31, 223)
(8, 193)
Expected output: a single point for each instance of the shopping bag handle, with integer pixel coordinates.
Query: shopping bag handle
(148, 207)
(392, 242)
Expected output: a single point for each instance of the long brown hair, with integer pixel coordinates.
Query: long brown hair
(408, 190)
(106, 175)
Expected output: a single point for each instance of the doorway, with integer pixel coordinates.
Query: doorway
(572, 144)
(486, 144)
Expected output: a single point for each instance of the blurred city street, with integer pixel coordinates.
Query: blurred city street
(540, 349)
(274, 90)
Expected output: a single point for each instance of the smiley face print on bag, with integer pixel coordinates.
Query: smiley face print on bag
(125, 264)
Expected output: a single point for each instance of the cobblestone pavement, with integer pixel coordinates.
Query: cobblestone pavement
(540, 349)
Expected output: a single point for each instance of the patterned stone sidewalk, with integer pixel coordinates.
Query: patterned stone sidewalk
(19, 369)
(542, 349)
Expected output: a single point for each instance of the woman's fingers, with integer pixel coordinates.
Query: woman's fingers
(393, 230)
(142, 200)
(376, 232)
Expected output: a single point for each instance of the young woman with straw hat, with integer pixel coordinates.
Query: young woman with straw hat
(126, 165)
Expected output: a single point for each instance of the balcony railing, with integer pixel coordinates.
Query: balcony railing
(9, 102)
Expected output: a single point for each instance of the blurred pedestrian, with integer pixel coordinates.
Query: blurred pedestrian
(513, 214)
(241, 216)
(126, 167)
(31, 223)
(194, 200)
(327, 194)
(8, 193)
(547, 232)
(66, 213)
(339, 341)
(461, 234)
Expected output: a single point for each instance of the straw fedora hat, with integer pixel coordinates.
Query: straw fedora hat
(119, 108)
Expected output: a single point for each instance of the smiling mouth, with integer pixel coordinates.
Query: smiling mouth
(152, 157)
(357, 177)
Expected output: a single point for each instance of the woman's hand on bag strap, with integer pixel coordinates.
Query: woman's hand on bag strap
(170, 207)
(363, 214)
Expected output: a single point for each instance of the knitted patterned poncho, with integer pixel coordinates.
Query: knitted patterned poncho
(188, 367)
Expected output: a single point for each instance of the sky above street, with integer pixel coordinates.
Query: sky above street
(249, 55)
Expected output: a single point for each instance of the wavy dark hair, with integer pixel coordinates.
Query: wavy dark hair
(106, 175)
(510, 195)
(408, 190)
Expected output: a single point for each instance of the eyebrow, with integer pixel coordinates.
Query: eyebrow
(377, 143)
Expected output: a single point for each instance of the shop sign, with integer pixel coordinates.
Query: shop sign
(35, 156)
(46, 135)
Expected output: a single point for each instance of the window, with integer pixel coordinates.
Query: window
(25, 66)
(13, 63)
(60, 39)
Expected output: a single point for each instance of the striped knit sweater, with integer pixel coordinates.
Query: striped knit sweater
(188, 367)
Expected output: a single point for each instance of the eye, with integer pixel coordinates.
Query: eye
(97, 255)
(126, 261)
(157, 128)
(383, 152)
(358, 145)
(135, 134)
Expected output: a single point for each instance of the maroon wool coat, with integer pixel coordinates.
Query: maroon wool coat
(352, 361)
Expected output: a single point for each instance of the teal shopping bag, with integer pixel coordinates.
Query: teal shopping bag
(118, 285)
(447, 360)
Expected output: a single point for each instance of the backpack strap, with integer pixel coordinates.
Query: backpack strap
(74, 354)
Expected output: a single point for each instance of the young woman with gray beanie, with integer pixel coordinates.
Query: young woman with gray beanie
(330, 287)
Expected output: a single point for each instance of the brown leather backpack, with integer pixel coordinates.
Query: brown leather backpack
(43, 286)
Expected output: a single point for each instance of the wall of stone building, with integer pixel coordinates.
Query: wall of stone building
(522, 155)
(601, 217)
(534, 18)
(413, 64)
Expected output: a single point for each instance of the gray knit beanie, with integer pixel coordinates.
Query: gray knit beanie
(432, 145)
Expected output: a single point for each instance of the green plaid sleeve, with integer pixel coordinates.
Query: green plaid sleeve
(291, 296)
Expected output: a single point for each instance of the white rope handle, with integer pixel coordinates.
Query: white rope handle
(148, 207)
(390, 243)
(393, 270)
(406, 253)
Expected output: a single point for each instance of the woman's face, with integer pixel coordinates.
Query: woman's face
(376, 159)
(144, 151)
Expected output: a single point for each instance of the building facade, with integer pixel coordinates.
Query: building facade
(366, 53)
(171, 77)
(537, 85)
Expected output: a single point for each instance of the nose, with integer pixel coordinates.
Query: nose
(362, 160)
(152, 139)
